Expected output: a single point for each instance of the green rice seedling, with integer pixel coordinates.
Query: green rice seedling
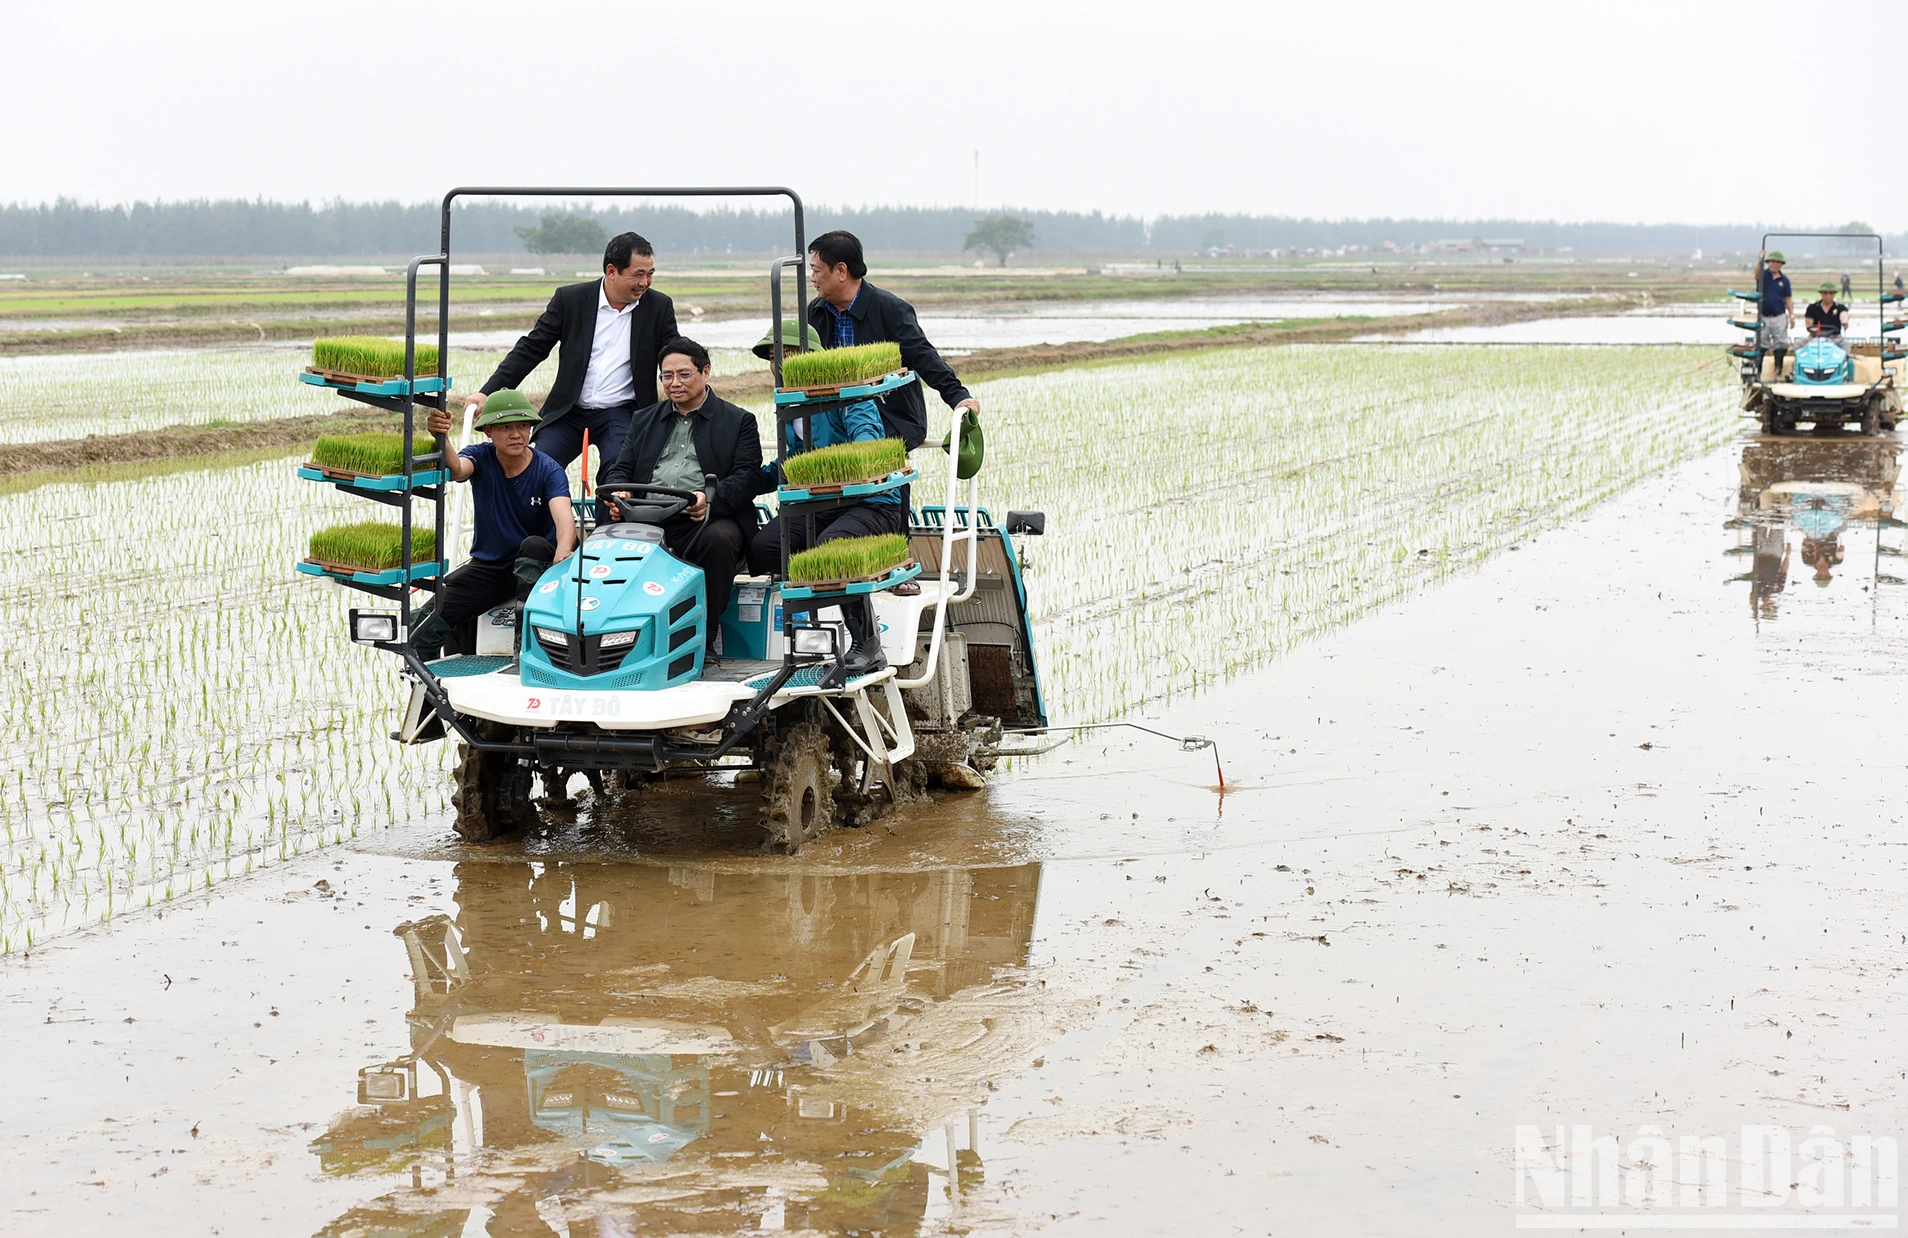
(840, 367)
(370, 355)
(372, 545)
(376, 453)
(848, 558)
(840, 463)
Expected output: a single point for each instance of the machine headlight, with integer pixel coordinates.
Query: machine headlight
(816, 640)
(616, 640)
(370, 629)
(553, 636)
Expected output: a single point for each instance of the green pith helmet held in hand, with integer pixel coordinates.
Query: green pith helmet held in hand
(973, 445)
(791, 339)
(1828, 285)
(1774, 255)
(504, 407)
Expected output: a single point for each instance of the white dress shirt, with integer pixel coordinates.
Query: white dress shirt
(608, 381)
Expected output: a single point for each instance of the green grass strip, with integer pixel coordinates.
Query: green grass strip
(375, 453)
(841, 463)
(371, 355)
(849, 558)
(840, 367)
(372, 545)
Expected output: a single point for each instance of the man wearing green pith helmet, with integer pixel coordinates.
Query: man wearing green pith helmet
(523, 521)
(1778, 310)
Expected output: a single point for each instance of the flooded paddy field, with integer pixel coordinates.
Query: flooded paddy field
(187, 712)
(1602, 832)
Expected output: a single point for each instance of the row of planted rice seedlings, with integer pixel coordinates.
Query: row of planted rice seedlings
(179, 706)
(1207, 512)
(74, 395)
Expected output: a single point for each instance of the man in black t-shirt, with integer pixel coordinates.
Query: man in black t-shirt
(1827, 316)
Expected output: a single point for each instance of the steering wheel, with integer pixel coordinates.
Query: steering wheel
(648, 513)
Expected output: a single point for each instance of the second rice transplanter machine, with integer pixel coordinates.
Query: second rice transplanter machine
(1826, 382)
(602, 674)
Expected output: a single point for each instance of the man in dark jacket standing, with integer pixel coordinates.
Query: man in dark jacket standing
(849, 310)
(679, 443)
(609, 331)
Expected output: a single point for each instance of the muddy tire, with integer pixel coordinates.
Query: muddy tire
(856, 806)
(492, 796)
(798, 789)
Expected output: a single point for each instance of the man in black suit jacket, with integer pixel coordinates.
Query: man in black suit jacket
(609, 331)
(850, 310)
(680, 442)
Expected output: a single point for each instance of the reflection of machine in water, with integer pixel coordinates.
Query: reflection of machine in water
(587, 1022)
(1811, 491)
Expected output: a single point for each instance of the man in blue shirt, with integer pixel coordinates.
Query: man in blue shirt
(524, 521)
(1778, 311)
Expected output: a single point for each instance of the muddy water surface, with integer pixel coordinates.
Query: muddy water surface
(1608, 832)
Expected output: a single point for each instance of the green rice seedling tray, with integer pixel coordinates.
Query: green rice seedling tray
(1745, 296)
(850, 588)
(1745, 350)
(1740, 325)
(796, 396)
(359, 481)
(374, 386)
(357, 576)
(848, 490)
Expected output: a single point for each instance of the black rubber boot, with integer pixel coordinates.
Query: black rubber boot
(1781, 355)
(428, 635)
(864, 655)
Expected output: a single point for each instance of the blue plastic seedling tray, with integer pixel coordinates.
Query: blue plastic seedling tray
(389, 386)
(390, 576)
(393, 481)
(854, 490)
(861, 391)
(851, 588)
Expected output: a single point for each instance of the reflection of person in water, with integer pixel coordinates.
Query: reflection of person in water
(1771, 570)
(1822, 555)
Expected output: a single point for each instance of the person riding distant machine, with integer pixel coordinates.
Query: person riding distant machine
(1827, 317)
(876, 514)
(523, 521)
(1777, 310)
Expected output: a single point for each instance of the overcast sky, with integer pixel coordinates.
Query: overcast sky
(1654, 111)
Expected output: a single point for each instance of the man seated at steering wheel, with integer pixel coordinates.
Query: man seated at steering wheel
(680, 441)
(1827, 316)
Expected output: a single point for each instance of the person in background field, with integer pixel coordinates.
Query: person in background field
(1898, 284)
(524, 521)
(607, 332)
(847, 309)
(679, 442)
(1848, 285)
(878, 513)
(1778, 310)
(1827, 316)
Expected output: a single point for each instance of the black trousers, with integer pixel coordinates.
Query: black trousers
(562, 439)
(861, 520)
(717, 551)
(478, 585)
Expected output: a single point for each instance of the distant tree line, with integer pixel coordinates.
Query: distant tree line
(264, 229)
